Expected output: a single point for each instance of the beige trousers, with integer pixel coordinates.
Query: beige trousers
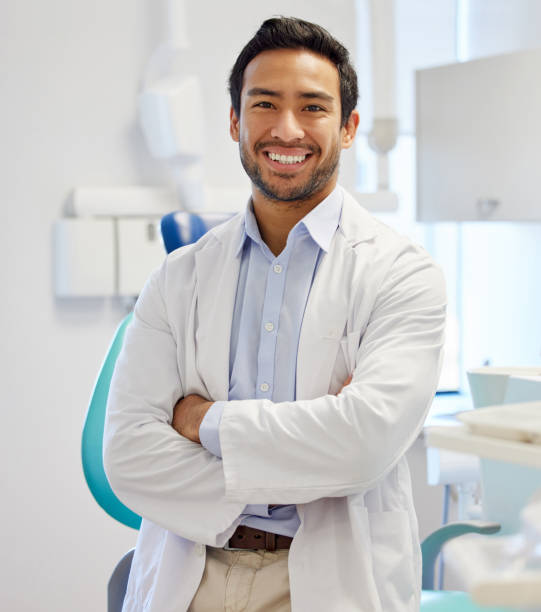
(243, 581)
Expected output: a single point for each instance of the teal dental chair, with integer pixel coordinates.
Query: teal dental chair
(179, 229)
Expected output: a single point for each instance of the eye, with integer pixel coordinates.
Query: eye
(263, 105)
(314, 108)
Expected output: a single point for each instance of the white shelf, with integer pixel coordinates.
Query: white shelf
(459, 439)
(521, 590)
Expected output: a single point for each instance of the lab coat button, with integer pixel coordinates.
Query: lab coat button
(277, 268)
(264, 387)
(269, 326)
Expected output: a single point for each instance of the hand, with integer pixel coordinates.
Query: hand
(188, 413)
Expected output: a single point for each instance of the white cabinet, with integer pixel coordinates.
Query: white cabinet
(99, 257)
(479, 139)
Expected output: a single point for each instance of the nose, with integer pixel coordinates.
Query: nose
(287, 127)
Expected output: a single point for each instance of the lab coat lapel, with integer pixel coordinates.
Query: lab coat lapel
(217, 270)
(325, 318)
(323, 326)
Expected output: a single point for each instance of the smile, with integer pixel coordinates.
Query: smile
(284, 163)
(287, 159)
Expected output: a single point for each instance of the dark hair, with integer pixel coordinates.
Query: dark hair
(292, 33)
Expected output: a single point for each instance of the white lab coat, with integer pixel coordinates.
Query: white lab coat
(377, 307)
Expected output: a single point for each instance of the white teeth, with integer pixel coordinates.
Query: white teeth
(287, 159)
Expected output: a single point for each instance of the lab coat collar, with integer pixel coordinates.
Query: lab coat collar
(356, 223)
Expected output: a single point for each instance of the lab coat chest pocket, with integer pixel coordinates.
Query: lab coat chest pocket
(392, 559)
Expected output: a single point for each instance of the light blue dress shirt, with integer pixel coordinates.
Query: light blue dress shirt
(272, 293)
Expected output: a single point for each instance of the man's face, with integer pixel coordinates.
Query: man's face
(289, 130)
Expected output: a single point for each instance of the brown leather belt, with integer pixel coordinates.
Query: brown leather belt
(248, 537)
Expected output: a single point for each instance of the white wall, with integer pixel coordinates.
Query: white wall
(70, 72)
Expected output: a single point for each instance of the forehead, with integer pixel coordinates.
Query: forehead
(291, 70)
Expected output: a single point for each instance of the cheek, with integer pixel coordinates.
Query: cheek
(328, 142)
(327, 134)
(255, 128)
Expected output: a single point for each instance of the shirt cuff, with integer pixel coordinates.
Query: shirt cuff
(257, 510)
(209, 430)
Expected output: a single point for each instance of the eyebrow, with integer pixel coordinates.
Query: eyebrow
(309, 95)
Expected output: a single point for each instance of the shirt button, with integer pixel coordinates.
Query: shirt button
(264, 387)
(277, 268)
(269, 327)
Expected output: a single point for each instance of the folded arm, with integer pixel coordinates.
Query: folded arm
(290, 452)
(156, 472)
(331, 446)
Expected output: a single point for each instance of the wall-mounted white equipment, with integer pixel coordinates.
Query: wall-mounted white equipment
(113, 244)
(384, 132)
(171, 110)
(478, 134)
(171, 117)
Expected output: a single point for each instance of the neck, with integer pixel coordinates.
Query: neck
(276, 218)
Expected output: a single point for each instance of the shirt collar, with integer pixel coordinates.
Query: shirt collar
(321, 222)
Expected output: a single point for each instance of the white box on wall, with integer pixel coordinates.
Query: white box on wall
(105, 257)
(140, 251)
(84, 257)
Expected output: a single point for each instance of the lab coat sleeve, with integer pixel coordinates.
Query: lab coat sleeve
(156, 472)
(296, 452)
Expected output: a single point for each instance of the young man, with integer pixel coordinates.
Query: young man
(264, 482)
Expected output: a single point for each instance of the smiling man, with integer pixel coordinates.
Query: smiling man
(277, 371)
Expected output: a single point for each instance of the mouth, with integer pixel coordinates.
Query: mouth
(287, 160)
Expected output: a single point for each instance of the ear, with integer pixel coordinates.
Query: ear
(350, 129)
(234, 125)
